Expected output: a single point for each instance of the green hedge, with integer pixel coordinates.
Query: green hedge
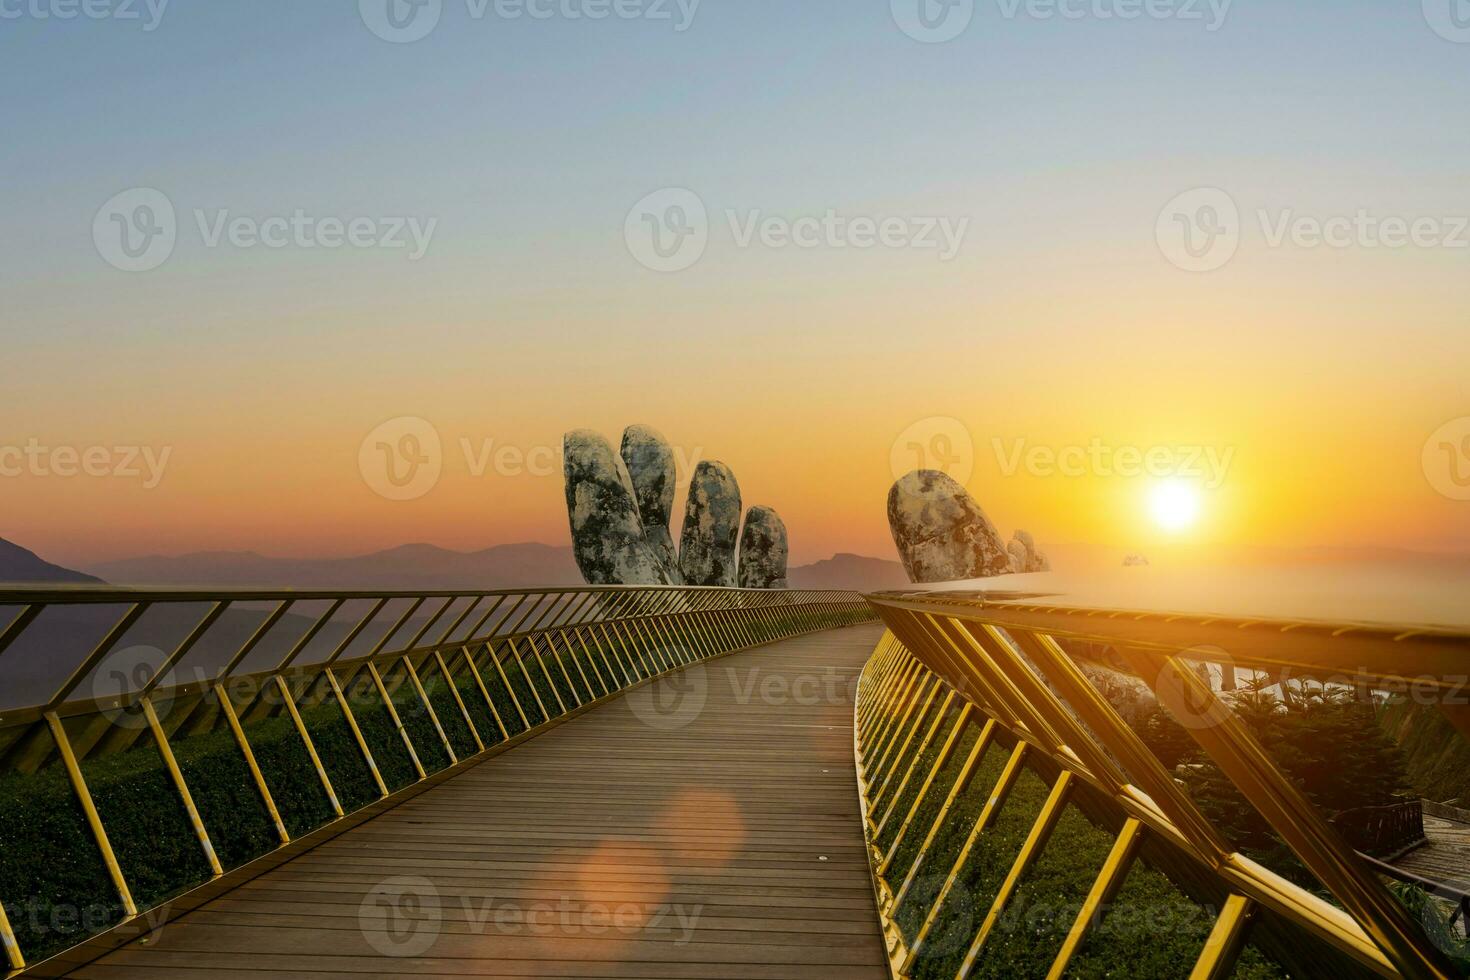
(1151, 929)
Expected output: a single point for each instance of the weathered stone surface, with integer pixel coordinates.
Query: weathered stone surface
(607, 535)
(711, 524)
(1024, 556)
(763, 550)
(942, 535)
(1017, 551)
(650, 462)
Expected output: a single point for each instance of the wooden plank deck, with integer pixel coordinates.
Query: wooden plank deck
(705, 826)
(1446, 857)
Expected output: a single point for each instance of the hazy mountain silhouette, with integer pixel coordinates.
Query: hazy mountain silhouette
(19, 566)
(425, 566)
(407, 568)
(848, 571)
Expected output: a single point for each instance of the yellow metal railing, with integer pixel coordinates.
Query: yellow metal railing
(1008, 676)
(452, 675)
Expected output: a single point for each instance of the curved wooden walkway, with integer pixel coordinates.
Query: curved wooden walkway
(704, 826)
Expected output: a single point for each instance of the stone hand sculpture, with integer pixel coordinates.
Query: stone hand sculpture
(763, 550)
(942, 535)
(1024, 556)
(620, 505)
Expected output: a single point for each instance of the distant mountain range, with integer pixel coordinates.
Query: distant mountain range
(406, 568)
(17, 565)
(427, 567)
(846, 571)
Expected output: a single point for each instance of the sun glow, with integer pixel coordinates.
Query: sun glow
(1174, 505)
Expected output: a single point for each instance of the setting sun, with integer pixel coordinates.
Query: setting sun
(1174, 505)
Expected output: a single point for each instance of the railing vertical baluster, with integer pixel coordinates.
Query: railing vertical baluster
(934, 727)
(505, 679)
(484, 692)
(587, 654)
(181, 786)
(13, 954)
(1217, 960)
(525, 673)
(572, 654)
(316, 761)
(233, 720)
(612, 657)
(963, 779)
(454, 692)
(650, 640)
(997, 799)
(925, 683)
(896, 763)
(89, 809)
(535, 642)
(1109, 880)
(413, 676)
(362, 745)
(394, 717)
(1041, 830)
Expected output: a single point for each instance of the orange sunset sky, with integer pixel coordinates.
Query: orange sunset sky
(1060, 318)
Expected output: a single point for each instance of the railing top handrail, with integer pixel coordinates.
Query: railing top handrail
(529, 612)
(1390, 655)
(82, 594)
(1056, 603)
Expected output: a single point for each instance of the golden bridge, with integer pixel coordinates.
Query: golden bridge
(678, 782)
